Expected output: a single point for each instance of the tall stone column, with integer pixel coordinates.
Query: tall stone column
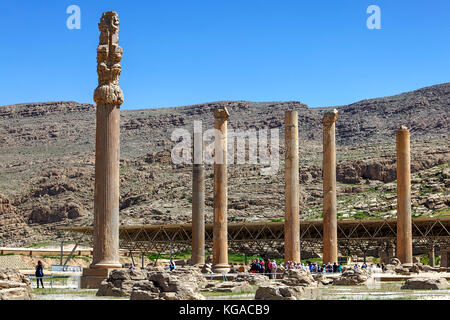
(404, 224)
(445, 257)
(330, 248)
(108, 97)
(432, 257)
(220, 225)
(291, 220)
(198, 202)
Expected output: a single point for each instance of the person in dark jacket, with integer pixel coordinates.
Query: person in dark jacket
(335, 267)
(39, 273)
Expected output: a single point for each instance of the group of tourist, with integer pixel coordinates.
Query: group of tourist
(270, 266)
(314, 267)
(324, 268)
(259, 266)
(372, 266)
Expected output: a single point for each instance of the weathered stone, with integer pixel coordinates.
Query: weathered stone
(233, 286)
(430, 269)
(395, 261)
(298, 277)
(220, 231)
(291, 221)
(414, 268)
(295, 284)
(327, 281)
(252, 278)
(401, 270)
(330, 248)
(207, 268)
(180, 284)
(352, 277)
(14, 285)
(144, 290)
(279, 291)
(120, 282)
(426, 283)
(198, 202)
(108, 97)
(404, 223)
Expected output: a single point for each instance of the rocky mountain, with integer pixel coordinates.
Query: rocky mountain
(47, 155)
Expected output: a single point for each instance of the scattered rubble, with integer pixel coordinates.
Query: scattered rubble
(426, 283)
(14, 285)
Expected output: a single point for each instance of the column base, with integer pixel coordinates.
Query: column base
(106, 265)
(93, 277)
(221, 268)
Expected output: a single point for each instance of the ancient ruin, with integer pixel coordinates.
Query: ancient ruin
(108, 97)
(292, 220)
(14, 285)
(330, 244)
(404, 225)
(220, 234)
(198, 202)
(390, 247)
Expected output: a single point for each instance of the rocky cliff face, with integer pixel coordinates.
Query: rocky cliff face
(47, 157)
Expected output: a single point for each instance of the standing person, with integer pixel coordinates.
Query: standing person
(253, 266)
(39, 273)
(339, 268)
(269, 268)
(329, 267)
(335, 267)
(171, 266)
(274, 268)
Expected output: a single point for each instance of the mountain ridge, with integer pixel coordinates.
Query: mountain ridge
(47, 159)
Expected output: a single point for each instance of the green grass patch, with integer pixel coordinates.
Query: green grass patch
(442, 212)
(425, 191)
(38, 244)
(312, 260)
(184, 255)
(360, 215)
(85, 258)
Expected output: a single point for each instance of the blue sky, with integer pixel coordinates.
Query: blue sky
(186, 52)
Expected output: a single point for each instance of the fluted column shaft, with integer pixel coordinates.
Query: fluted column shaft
(330, 249)
(404, 224)
(106, 194)
(198, 202)
(291, 220)
(220, 224)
